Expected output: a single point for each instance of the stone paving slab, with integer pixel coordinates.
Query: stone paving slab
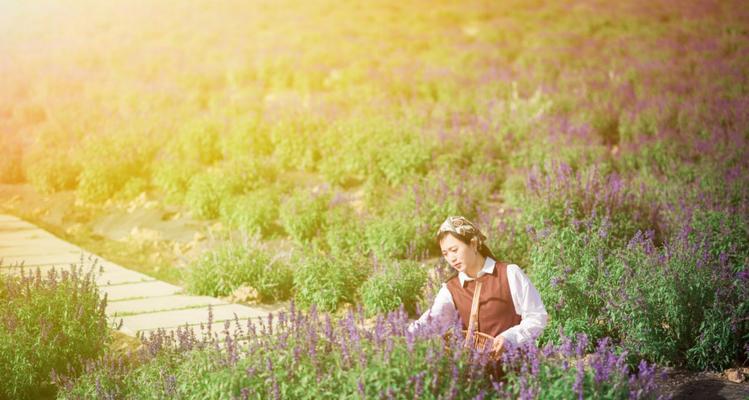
(109, 278)
(158, 304)
(17, 223)
(21, 236)
(191, 316)
(35, 246)
(30, 252)
(109, 275)
(10, 235)
(217, 328)
(139, 290)
(46, 259)
(6, 217)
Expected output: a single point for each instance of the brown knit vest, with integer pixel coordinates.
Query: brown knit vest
(496, 310)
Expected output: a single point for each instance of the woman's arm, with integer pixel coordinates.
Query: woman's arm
(528, 305)
(436, 319)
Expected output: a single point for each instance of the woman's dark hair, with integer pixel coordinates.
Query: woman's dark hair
(483, 249)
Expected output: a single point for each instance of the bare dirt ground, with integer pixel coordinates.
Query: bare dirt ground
(681, 385)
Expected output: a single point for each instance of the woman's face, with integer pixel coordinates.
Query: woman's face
(460, 255)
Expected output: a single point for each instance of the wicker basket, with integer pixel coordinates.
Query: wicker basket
(481, 341)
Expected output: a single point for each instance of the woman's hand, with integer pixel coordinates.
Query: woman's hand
(498, 345)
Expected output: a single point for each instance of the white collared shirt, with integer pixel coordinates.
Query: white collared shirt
(525, 298)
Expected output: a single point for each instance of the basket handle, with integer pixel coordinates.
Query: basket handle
(473, 322)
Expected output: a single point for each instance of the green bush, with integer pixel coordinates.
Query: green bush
(405, 226)
(309, 357)
(173, 178)
(579, 221)
(51, 169)
(209, 189)
(50, 323)
(103, 174)
(253, 212)
(569, 270)
(344, 232)
(11, 157)
(132, 188)
(296, 143)
(685, 304)
(303, 213)
(396, 283)
(220, 271)
(247, 137)
(327, 281)
(508, 237)
(392, 237)
(197, 141)
(562, 197)
(205, 194)
(356, 151)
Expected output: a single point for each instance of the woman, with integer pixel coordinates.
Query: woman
(510, 308)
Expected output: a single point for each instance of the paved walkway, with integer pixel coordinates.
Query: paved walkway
(140, 303)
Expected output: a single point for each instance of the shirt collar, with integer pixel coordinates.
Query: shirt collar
(487, 269)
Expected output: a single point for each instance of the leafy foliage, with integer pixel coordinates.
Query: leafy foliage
(327, 282)
(222, 270)
(302, 214)
(255, 212)
(103, 175)
(48, 324)
(382, 361)
(396, 284)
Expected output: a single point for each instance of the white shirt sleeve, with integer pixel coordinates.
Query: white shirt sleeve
(438, 317)
(528, 305)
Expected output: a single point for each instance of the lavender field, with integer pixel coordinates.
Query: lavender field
(305, 153)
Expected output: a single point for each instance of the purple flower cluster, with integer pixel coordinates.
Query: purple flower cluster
(361, 358)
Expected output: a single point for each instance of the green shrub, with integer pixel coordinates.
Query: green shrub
(579, 222)
(302, 214)
(173, 178)
(327, 281)
(344, 232)
(11, 157)
(247, 137)
(194, 146)
(51, 169)
(103, 174)
(296, 143)
(50, 323)
(197, 141)
(205, 194)
(356, 151)
(508, 237)
(475, 154)
(568, 268)
(209, 189)
(220, 271)
(132, 188)
(562, 197)
(312, 357)
(406, 224)
(253, 212)
(396, 283)
(392, 237)
(685, 304)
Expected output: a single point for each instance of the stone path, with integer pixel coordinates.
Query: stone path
(140, 303)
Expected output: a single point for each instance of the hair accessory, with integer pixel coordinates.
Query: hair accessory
(462, 227)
